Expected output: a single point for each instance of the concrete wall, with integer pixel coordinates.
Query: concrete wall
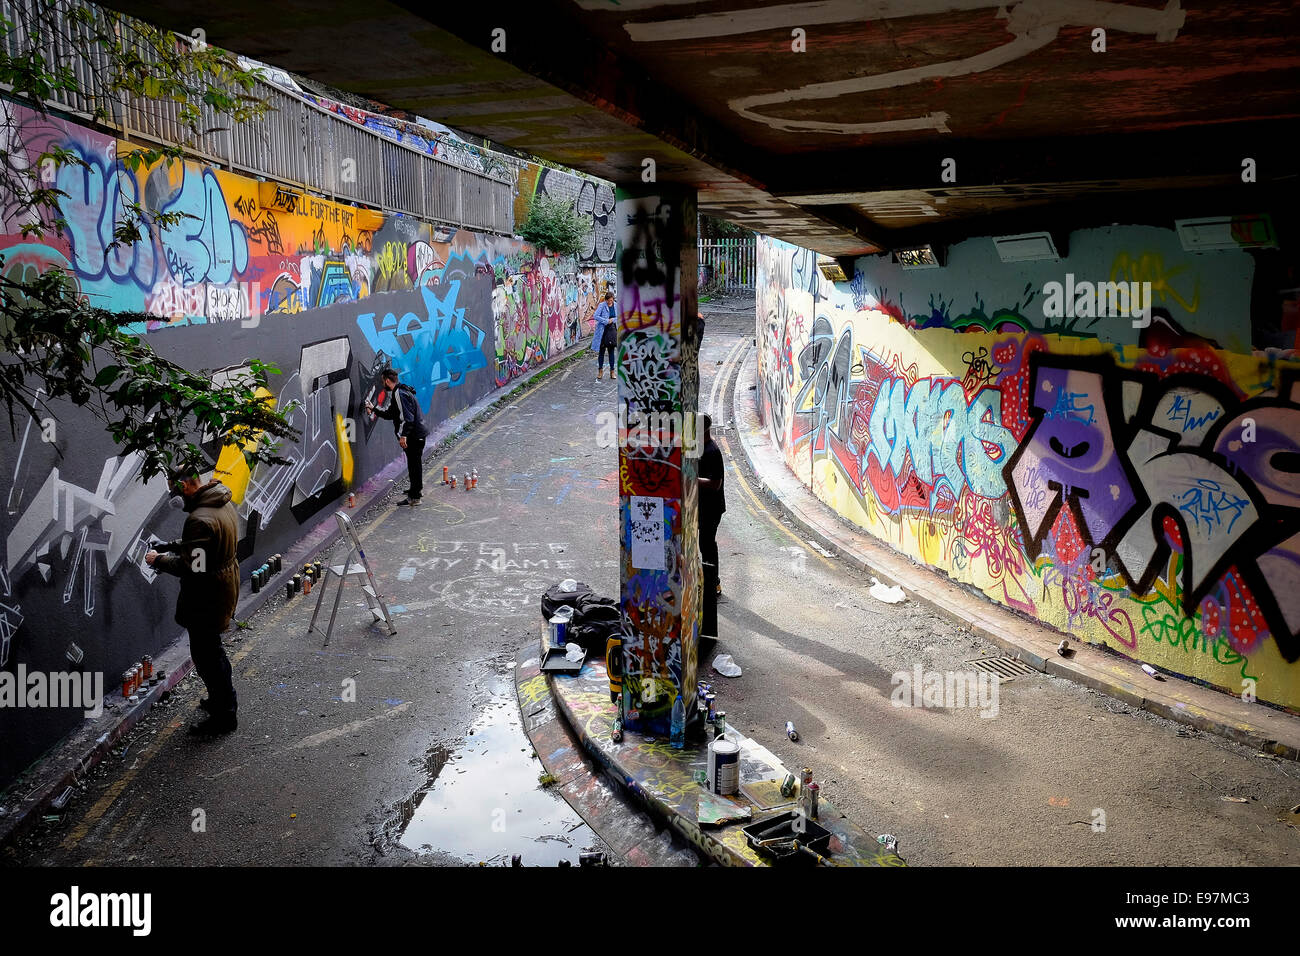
(328, 292)
(1135, 486)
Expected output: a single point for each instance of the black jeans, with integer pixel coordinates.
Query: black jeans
(415, 466)
(606, 346)
(709, 559)
(213, 667)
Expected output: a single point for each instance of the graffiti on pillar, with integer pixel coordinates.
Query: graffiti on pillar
(1145, 496)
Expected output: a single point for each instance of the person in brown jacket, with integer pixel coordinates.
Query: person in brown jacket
(204, 560)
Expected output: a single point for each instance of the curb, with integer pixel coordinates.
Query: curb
(1269, 730)
(30, 794)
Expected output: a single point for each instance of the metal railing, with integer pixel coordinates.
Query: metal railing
(727, 265)
(298, 143)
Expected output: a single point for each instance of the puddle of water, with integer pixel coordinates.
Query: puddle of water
(483, 802)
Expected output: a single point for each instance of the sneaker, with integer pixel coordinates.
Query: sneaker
(214, 725)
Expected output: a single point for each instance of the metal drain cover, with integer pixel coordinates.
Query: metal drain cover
(1007, 668)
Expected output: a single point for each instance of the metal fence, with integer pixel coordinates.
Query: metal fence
(727, 265)
(297, 143)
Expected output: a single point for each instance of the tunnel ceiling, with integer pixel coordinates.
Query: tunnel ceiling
(841, 147)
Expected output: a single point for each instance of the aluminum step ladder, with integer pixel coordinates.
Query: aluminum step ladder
(349, 568)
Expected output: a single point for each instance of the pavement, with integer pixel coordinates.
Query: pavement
(411, 749)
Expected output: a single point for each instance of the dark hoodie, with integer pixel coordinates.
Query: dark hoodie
(204, 560)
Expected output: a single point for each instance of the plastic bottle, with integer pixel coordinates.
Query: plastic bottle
(679, 724)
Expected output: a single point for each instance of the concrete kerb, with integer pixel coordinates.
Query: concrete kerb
(27, 798)
(1270, 731)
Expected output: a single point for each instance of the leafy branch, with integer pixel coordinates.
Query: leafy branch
(54, 345)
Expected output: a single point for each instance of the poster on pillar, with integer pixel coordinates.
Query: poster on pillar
(658, 389)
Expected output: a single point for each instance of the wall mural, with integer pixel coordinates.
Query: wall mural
(1144, 495)
(330, 293)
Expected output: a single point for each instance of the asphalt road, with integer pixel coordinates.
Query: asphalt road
(427, 765)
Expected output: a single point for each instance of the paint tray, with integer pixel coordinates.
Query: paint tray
(554, 662)
(775, 836)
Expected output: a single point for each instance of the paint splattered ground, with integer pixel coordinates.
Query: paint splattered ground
(310, 778)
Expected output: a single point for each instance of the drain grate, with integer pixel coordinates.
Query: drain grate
(1007, 668)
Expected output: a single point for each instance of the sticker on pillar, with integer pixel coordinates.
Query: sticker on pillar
(647, 533)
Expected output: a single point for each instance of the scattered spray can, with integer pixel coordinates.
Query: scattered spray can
(467, 481)
(790, 731)
(444, 475)
(453, 481)
(352, 499)
(789, 784)
(474, 475)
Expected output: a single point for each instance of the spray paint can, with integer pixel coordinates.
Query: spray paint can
(444, 474)
(306, 585)
(474, 475)
(814, 796)
(296, 584)
(276, 563)
(719, 723)
(288, 590)
(453, 481)
(256, 579)
(352, 499)
(710, 704)
(467, 481)
(146, 662)
(126, 683)
(790, 731)
(789, 784)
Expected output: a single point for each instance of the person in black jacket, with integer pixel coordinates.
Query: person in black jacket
(711, 479)
(408, 424)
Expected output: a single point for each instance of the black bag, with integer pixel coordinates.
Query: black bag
(592, 609)
(555, 597)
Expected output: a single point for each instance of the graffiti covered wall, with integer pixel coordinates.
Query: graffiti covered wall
(1133, 481)
(328, 292)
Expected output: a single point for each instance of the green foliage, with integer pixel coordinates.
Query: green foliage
(554, 225)
(55, 345)
(711, 228)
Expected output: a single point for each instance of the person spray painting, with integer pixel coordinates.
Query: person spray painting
(408, 424)
(204, 560)
(606, 335)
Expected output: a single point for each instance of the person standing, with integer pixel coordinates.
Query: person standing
(408, 424)
(204, 560)
(711, 479)
(606, 335)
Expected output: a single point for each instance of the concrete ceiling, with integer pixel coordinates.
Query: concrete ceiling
(840, 147)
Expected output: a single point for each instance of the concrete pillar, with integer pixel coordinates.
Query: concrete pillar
(658, 388)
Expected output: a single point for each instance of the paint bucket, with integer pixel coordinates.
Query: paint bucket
(724, 766)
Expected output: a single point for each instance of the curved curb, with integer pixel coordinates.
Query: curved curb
(1260, 726)
(661, 780)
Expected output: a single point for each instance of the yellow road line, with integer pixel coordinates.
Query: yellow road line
(758, 507)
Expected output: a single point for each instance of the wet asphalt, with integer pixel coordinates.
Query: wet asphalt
(426, 762)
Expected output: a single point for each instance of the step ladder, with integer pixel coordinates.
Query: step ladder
(349, 568)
